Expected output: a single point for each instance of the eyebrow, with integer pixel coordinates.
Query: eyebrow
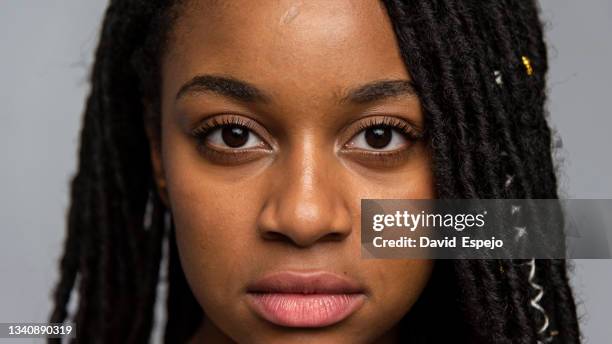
(225, 86)
(245, 92)
(379, 90)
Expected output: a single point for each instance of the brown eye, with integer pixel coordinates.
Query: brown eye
(232, 136)
(235, 136)
(378, 137)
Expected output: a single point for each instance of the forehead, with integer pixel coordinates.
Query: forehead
(312, 45)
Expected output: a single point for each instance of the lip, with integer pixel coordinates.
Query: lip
(305, 299)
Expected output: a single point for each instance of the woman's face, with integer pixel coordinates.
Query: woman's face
(278, 117)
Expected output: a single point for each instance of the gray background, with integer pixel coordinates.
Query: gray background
(46, 50)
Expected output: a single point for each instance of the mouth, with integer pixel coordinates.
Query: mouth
(297, 299)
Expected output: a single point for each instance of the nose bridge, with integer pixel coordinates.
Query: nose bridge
(307, 206)
(306, 198)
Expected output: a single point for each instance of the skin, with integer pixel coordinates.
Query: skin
(292, 200)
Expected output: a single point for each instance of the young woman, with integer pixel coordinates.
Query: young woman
(247, 132)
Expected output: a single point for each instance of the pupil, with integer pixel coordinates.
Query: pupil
(378, 137)
(235, 136)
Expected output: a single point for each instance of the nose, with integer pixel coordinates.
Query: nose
(305, 204)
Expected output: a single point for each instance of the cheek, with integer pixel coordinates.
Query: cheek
(214, 224)
(210, 212)
(395, 287)
(414, 180)
(401, 280)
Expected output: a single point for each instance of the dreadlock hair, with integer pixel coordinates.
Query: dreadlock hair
(487, 141)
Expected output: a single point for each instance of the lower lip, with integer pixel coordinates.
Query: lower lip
(305, 310)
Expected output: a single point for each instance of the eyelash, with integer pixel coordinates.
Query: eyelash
(205, 128)
(409, 131)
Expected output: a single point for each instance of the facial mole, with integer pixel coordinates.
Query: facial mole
(291, 14)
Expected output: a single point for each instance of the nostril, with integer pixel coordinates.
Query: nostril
(302, 240)
(275, 236)
(334, 236)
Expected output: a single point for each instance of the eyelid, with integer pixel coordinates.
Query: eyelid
(210, 123)
(412, 132)
(380, 159)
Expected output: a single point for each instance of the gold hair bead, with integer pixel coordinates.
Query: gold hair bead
(527, 64)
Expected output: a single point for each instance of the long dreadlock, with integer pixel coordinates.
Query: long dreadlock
(487, 142)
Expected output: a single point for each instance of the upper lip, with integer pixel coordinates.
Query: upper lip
(300, 282)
